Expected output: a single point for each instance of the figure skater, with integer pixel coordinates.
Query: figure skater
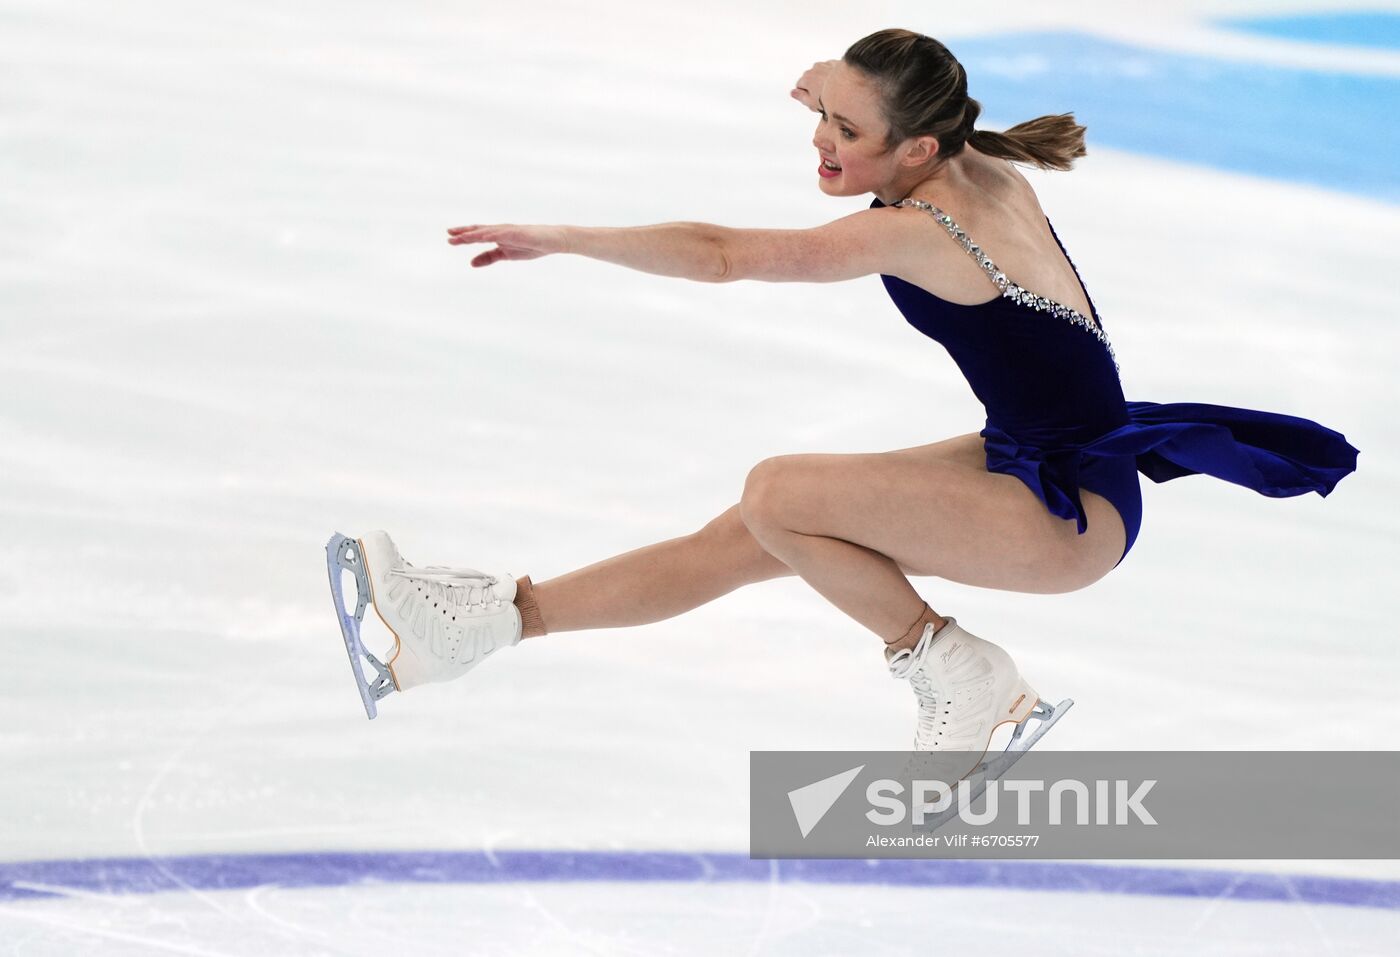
(1044, 499)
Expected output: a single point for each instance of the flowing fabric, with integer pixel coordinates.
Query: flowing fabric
(1274, 454)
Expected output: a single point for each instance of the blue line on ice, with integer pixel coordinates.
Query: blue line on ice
(214, 872)
(1296, 123)
(1367, 28)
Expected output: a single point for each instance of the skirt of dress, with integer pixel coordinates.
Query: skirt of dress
(1274, 454)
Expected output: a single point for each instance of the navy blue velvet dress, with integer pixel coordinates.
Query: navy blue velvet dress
(1057, 419)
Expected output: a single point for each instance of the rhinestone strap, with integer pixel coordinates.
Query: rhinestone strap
(1009, 289)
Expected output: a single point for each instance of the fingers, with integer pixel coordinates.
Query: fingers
(512, 242)
(504, 233)
(456, 235)
(489, 256)
(486, 257)
(805, 97)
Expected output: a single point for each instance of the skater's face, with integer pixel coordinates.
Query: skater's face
(851, 132)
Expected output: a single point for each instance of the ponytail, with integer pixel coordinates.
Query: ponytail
(923, 92)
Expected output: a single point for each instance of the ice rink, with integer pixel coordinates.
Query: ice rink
(230, 326)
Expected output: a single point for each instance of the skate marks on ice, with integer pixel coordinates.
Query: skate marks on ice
(590, 902)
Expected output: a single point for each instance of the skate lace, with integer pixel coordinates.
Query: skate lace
(909, 663)
(460, 587)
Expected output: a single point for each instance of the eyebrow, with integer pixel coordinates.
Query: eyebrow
(836, 115)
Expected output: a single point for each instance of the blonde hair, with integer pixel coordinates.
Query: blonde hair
(923, 92)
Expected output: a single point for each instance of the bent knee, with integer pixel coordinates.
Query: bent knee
(764, 494)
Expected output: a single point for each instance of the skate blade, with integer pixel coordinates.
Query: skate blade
(1046, 716)
(993, 768)
(343, 554)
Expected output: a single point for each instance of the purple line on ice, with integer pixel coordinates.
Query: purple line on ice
(213, 872)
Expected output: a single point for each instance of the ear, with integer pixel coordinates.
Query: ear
(923, 149)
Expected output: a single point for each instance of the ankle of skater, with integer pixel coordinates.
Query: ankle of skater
(531, 621)
(911, 636)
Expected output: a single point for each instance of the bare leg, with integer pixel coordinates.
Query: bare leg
(658, 581)
(865, 584)
(671, 577)
(861, 582)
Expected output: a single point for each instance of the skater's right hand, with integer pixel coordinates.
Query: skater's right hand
(512, 241)
(809, 84)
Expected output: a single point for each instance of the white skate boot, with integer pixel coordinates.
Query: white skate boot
(966, 687)
(444, 621)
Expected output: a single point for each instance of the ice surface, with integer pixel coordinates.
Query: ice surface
(230, 325)
(683, 919)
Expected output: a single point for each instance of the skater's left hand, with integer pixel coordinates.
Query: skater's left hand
(809, 85)
(513, 242)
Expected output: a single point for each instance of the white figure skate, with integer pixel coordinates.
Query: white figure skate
(966, 687)
(444, 621)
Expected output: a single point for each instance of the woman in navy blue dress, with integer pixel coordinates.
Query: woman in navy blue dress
(1043, 498)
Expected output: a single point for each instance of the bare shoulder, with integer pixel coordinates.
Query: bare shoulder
(913, 248)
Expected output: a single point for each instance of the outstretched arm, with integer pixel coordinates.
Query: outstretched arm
(684, 250)
(856, 245)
